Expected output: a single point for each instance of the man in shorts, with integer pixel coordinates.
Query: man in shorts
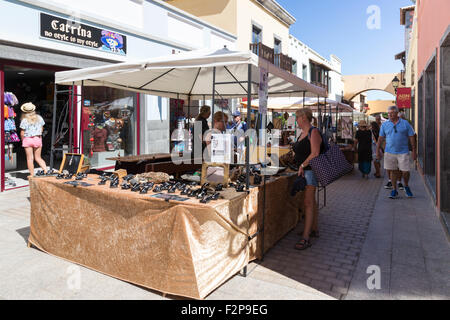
(397, 132)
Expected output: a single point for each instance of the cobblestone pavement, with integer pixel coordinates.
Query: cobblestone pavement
(329, 264)
(359, 226)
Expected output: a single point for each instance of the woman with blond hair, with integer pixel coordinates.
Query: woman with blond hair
(308, 146)
(32, 126)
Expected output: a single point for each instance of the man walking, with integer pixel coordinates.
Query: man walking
(397, 132)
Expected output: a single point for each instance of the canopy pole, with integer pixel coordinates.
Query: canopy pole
(247, 139)
(71, 97)
(303, 99)
(52, 150)
(326, 123)
(80, 139)
(213, 96)
(319, 121)
(189, 109)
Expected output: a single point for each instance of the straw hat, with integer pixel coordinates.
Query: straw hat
(362, 123)
(28, 107)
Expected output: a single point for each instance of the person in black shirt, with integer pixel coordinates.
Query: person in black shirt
(375, 134)
(363, 143)
(202, 117)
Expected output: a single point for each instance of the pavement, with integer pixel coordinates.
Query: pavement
(370, 247)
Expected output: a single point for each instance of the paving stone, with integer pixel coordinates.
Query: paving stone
(409, 282)
(359, 227)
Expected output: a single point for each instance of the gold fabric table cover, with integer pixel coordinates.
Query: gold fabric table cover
(184, 248)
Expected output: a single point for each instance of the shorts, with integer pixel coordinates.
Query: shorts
(397, 161)
(310, 178)
(33, 142)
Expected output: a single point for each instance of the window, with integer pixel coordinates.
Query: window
(420, 123)
(430, 125)
(305, 72)
(256, 34)
(314, 77)
(294, 67)
(109, 118)
(276, 46)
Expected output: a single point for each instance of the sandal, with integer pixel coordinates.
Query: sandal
(303, 244)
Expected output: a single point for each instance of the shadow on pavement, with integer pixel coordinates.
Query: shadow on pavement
(24, 233)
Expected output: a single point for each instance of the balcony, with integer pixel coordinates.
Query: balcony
(280, 60)
(320, 84)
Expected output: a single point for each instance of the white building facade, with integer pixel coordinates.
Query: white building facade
(305, 59)
(40, 37)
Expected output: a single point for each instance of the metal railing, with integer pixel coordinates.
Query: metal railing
(320, 84)
(267, 53)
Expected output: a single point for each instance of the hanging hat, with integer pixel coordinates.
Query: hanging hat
(28, 107)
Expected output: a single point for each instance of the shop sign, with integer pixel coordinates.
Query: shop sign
(73, 32)
(404, 98)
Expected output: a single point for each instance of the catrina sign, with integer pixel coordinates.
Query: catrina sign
(73, 32)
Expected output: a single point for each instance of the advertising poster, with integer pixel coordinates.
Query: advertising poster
(263, 90)
(221, 148)
(346, 128)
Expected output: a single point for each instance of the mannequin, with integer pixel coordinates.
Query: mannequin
(100, 135)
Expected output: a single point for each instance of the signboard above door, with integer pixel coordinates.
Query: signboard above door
(73, 32)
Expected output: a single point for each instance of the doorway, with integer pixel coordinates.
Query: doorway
(23, 84)
(444, 121)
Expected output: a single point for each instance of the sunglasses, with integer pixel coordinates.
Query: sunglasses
(395, 128)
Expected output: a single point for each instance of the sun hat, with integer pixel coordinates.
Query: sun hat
(28, 107)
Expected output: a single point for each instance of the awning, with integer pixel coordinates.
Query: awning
(190, 74)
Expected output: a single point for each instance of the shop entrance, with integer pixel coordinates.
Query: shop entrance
(444, 121)
(25, 84)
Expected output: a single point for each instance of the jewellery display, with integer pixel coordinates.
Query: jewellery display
(136, 187)
(186, 190)
(114, 182)
(80, 176)
(144, 189)
(125, 186)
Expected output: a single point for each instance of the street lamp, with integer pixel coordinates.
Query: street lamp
(395, 83)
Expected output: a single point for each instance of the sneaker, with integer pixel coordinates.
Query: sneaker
(388, 185)
(400, 186)
(408, 192)
(394, 194)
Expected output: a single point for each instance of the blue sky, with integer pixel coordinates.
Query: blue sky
(339, 27)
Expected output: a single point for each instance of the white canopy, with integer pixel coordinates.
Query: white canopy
(288, 103)
(190, 74)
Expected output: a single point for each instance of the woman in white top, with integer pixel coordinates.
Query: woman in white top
(32, 125)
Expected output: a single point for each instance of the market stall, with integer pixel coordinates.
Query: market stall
(184, 247)
(170, 241)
